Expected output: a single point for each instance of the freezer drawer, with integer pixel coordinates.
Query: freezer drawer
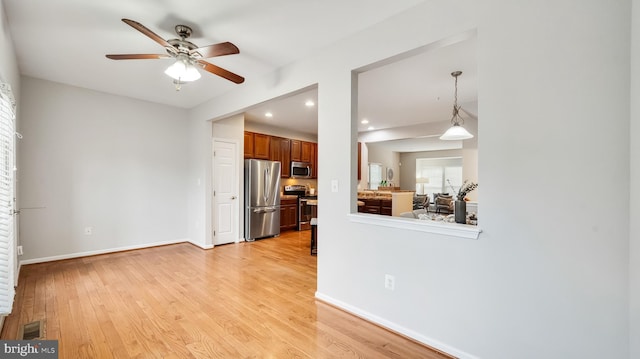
(262, 222)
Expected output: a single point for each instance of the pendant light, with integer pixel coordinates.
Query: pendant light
(456, 131)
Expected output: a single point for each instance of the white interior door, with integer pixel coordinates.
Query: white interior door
(226, 189)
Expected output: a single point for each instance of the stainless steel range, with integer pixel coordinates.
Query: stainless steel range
(305, 211)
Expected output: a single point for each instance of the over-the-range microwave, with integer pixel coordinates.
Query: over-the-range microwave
(300, 170)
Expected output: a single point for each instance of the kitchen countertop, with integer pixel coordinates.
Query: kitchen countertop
(288, 196)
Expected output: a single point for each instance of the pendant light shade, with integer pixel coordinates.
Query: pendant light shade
(456, 131)
(182, 70)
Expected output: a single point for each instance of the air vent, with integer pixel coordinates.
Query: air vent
(30, 331)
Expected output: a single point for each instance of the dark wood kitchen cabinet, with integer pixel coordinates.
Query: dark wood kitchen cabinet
(261, 144)
(314, 160)
(288, 214)
(280, 151)
(303, 151)
(306, 152)
(385, 207)
(248, 144)
(284, 150)
(296, 150)
(376, 206)
(371, 206)
(256, 145)
(359, 161)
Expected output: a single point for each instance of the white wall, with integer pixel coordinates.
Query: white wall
(634, 214)
(553, 284)
(8, 63)
(545, 279)
(408, 168)
(108, 162)
(388, 159)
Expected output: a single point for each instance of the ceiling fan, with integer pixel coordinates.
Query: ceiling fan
(186, 53)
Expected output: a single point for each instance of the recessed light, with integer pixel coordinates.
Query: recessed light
(364, 121)
(371, 128)
(268, 114)
(309, 103)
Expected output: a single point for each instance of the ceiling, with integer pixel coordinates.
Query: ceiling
(66, 41)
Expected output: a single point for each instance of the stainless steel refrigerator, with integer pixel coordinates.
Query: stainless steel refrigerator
(262, 199)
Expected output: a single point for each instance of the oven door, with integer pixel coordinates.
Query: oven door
(304, 215)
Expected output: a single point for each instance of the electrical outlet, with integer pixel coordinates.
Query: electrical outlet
(389, 282)
(88, 231)
(20, 250)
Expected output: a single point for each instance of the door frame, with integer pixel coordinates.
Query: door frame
(237, 219)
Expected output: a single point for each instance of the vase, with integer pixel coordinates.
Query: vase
(460, 211)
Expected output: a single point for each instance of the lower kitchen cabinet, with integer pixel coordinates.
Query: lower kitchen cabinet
(385, 207)
(288, 214)
(376, 206)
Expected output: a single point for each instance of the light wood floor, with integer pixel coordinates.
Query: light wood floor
(179, 301)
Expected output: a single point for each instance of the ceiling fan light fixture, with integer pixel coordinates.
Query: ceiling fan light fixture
(182, 70)
(456, 131)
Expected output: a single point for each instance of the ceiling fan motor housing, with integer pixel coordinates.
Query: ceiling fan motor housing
(183, 31)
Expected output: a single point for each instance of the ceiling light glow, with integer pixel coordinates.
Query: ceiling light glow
(268, 114)
(309, 103)
(364, 121)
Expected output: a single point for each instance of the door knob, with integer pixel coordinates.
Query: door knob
(233, 197)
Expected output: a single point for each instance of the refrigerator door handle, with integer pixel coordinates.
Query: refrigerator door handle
(266, 184)
(264, 210)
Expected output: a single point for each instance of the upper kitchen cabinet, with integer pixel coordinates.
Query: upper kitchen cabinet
(314, 160)
(256, 145)
(302, 151)
(261, 144)
(296, 150)
(248, 144)
(307, 152)
(281, 152)
(359, 161)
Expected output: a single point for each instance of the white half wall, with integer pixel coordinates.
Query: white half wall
(90, 159)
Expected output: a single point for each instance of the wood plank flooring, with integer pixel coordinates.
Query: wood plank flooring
(179, 301)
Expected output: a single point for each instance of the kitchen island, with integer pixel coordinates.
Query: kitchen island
(388, 203)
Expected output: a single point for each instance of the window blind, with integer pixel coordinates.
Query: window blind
(8, 256)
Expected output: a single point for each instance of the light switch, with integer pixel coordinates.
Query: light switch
(334, 185)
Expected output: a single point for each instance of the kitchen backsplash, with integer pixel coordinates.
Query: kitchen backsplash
(312, 183)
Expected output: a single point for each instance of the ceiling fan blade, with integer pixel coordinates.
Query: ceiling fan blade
(137, 56)
(221, 49)
(221, 72)
(152, 35)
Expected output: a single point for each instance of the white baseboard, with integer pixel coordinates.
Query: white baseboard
(200, 245)
(101, 251)
(395, 327)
